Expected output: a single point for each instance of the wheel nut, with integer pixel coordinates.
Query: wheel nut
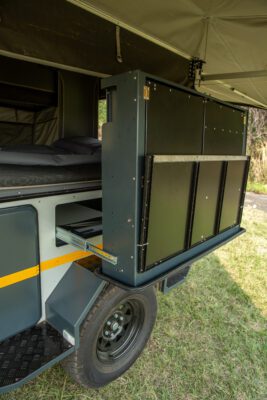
(121, 318)
(116, 316)
(106, 333)
(108, 323)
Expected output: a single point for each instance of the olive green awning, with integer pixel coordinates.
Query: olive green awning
(230, 36)
(106, 37)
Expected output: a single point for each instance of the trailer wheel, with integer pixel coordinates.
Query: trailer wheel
(112, 336)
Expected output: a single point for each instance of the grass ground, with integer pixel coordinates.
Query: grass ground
(210, 339)
(257, 187)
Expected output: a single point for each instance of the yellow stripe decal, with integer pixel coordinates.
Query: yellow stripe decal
(56, 262)
(19, 276)
(27, 273)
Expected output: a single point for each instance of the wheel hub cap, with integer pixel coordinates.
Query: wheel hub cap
(119, 331)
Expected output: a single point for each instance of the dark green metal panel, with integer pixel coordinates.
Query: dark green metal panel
(174, 121)
(224, 130)
(122, 171)
(168, 210)
(72, 299)
(206, 201)
(126, 149)
(20, 305)
(232, 194)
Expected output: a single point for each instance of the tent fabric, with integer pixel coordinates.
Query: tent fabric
(228, 35)
(61, 35)
(26, 127)
(159, 37)
(46, 126)
(16, 126)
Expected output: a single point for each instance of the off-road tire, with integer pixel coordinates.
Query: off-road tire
(84, 365)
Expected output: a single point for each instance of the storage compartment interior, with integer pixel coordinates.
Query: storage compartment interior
(81, 218)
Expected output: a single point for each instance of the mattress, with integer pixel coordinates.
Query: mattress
(69, 160)
(64, 152)
(21, 175)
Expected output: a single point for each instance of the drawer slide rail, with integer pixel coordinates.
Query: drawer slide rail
(78, 241)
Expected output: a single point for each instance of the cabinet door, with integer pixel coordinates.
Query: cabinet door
(232, 194)
(206, 205)
(20, 303)
(168, 213)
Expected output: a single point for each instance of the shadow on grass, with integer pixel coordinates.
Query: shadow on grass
(208, 343)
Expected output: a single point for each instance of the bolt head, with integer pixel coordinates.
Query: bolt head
(107, 333)
(108, 323)
(115, 326)
(121, 318)
(116, 316)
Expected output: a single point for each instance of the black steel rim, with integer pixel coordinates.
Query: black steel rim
(120, 330)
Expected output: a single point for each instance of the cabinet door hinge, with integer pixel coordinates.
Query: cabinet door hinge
(146, 92)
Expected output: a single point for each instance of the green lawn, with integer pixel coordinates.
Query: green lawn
(257, 187)
(210, 339)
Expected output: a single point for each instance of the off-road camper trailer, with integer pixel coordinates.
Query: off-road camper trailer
(89, 228)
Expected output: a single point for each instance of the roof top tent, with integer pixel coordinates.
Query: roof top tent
(98, 225)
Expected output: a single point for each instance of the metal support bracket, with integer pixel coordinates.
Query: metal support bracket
(195, 70)
(234, 75)
(84, 244)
